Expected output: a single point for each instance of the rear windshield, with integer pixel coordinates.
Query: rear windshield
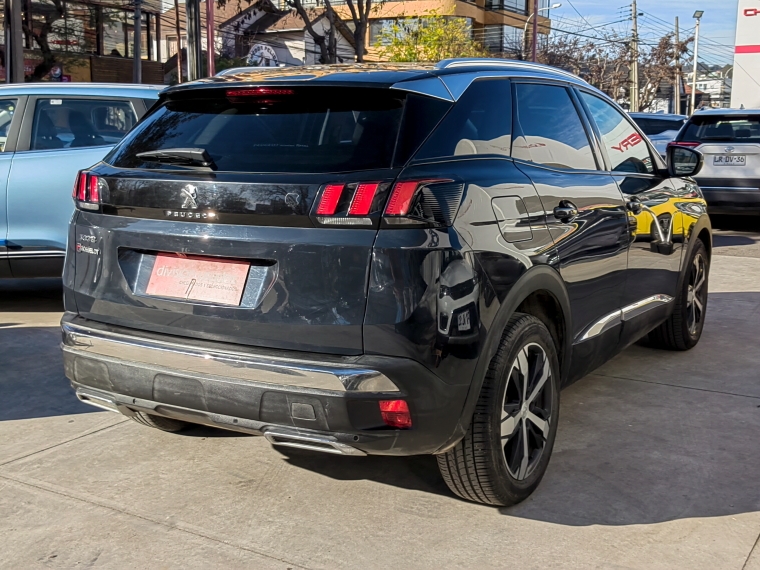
(723, 129)
(283, 129)
(655, 126)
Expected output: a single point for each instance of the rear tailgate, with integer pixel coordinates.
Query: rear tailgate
(730, 164)
(305, 288)
(286, 275)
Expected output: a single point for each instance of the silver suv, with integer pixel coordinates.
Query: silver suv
(729, 139)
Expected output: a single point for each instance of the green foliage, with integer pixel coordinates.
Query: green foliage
(429, 38)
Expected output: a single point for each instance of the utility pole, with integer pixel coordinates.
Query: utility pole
(137, 53)
(194, 41)
(634, 96)
(677, 78)
(179, 41)
(534, 39)
(698, 17)
(210, 48)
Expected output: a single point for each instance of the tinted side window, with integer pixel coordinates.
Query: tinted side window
(625, 147)
(421, 115)
(479, 123)
(76, 123)
(548, 129)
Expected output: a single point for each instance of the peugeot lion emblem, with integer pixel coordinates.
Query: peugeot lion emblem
(189, 194)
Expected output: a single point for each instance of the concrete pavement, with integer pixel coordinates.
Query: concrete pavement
(655, 466)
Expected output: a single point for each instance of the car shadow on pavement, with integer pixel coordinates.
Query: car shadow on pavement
(419, 473)
(30, 295)
(32, 382)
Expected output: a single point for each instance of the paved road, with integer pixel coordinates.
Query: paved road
(656, 466)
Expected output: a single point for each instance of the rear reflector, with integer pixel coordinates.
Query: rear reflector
(329, 201)
(395, 413)
(363, 197)
(401, 198)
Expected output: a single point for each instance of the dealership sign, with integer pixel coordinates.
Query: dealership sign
(745, 88)
(262, 55)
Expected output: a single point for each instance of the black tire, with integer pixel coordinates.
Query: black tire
(487, 466)
(683, 328)
(160, 422)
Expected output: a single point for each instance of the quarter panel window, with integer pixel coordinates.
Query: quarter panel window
(78, 123)
(626, 148)
(548, 129)
(479, 124)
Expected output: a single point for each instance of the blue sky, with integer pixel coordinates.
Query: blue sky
(717, 29)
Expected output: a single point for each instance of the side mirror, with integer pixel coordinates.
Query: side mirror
(684, 161)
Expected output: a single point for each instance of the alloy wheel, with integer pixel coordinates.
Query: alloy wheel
(527, 411)
(696, 294)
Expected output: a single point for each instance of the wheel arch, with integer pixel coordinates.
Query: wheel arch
(540, 292)
(700, 231)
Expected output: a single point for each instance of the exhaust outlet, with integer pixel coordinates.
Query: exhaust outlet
(324, 444)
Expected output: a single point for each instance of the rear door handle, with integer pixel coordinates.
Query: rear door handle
(566, 211)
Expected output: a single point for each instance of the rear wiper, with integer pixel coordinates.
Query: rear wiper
(191, 157)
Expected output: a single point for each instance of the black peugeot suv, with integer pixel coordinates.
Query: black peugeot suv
(380, 259)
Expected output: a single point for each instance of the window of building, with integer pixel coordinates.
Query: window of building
(76, 123)
(626, 148)
(479, 124)
(518, 6)
(502, 39)
(548, 129)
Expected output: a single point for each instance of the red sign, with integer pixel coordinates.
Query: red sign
(198, 279)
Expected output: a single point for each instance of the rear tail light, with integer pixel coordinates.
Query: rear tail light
(87, 190)
(395, 414)
(329, 201)
(401, 198)
(362, 200)
(684, 144)
(411, 203)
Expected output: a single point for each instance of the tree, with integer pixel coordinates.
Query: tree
(360, 16)
(50, 13)
(605, 62)
(327, 42)
(429, 38)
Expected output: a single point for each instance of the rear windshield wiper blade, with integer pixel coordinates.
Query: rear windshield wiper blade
(191, 157)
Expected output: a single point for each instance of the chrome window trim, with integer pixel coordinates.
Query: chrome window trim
(88, 342)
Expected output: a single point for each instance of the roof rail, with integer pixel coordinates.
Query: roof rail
(498, 62)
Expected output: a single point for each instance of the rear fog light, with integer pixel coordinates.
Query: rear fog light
(395, 413)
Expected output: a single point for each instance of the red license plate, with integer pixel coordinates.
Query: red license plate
(206, 279)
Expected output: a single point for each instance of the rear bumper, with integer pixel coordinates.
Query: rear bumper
(731, 199)
(331, 402)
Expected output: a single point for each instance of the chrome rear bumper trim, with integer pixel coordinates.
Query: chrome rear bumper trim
(89, 341)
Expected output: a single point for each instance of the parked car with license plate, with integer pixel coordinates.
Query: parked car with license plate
(48, 132)
(729, 139)
(380, 259)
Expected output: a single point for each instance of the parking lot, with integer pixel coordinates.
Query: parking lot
(655, 466)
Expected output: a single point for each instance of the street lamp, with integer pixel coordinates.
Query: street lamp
(698, 17)
(535, 27)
